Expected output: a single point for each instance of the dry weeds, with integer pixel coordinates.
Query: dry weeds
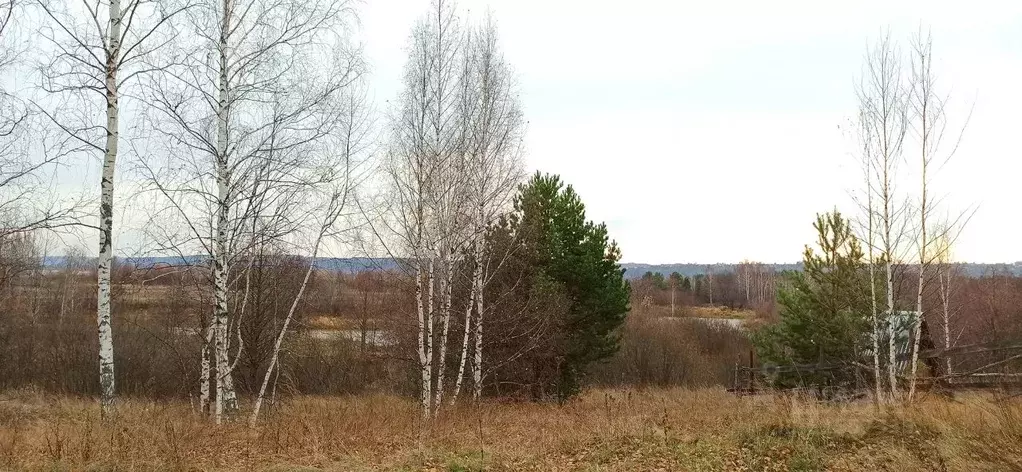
(603, 430)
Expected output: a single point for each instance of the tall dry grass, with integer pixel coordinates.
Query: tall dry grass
(670, 429)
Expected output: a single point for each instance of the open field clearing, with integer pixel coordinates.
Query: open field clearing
(509, 235)
(719, 312)
(600, 431)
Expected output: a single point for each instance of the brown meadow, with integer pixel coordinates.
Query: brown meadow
(653, 429)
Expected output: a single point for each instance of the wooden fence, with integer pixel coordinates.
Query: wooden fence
(976, 366)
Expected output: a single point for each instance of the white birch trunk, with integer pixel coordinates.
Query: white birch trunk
(226, 401)
(423, 360)
(710, 286)
(888, 216)
(473, 296)
(106, 216)
(945, 290)
(427, 367)
(871, 242)
(922, 82)
(477, 365)
(445, 315)
(891, 352)
(748, 282)
(917, 333)
(865, 134)
(875, 334)
(204, 371)
(918, 325)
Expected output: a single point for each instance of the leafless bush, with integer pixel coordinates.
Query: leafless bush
(657, 351)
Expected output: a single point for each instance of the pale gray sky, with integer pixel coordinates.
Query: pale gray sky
(709, 131)
(714, 131)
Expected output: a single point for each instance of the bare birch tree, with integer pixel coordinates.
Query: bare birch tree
(494, 164)
(928, 112)
(99, 47)
(883, 110)
(246, 115)
(865, 137)
(338, 184)
(948, 275)
(754, 279)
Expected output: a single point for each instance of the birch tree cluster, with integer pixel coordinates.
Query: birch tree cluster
(245, 128)
(245, 124)
(261, 119)
(453, 166)
(904, 137)
(755, 282)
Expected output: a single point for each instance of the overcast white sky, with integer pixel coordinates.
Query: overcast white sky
(709, 131)
(715, 131)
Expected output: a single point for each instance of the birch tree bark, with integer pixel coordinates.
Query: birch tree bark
(424, 387)
(227, 402)
(446, 283)
(474, 292)
(106, 216)
(427, 368)
(205, 369)
(477, 364)
(947, 274)
(674, 289)
(709, 282)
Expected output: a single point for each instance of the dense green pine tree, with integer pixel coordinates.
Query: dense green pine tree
(824, 309)
(578, 256)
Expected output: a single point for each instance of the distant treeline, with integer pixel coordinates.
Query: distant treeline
(347, 265)
(354, 265)
(635, 271)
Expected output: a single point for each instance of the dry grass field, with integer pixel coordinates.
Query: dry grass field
(604, 430)
(718, 312)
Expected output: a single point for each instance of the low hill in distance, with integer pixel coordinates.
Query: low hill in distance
(351, 265)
